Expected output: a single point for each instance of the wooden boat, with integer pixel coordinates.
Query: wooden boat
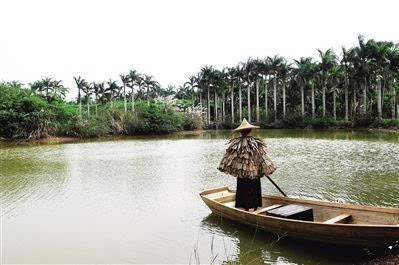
(334, 223)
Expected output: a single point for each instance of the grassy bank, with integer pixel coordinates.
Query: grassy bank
(27, 115)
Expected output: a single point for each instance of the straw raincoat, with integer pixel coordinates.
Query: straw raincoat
(247, 159)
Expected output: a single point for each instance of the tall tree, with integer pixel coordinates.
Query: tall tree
(125, 81)
(80, 83)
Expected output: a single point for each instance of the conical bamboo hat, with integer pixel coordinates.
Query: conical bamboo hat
(245, 125)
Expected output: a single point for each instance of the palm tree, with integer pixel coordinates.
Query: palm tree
(303, 73)
(345, 63)
(334, 81)
(14, 84)
(112, 89)
(328, 60)
(125, 80)
(134, 79)
(191, 84)
(80, 83)
(207, 74)
(284, 72)
(149, 83)
(95, 88)
(250, 75)
(275, 63)
(87, 89)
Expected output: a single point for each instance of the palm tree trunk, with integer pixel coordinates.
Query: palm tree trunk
(200, 97)
(148, 95)
(80, 102)
(257, 100)
(275, 97)
(379, 98)
(132, 98)
(324, 101)
(313, 105)
(346, 103)
(232, 105)
(88, 107)
(303, 101)
(354, 103)
(111, 98)
(249, 101)
(393, 101)
(216, 107)
(284, 103)
(266, 98)
(365, 96)
(96, 103)
(209, 107)
(124, 96)
(240, 103)
(224, 105)
(334, 106)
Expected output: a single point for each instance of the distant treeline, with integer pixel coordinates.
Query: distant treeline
(358, 88)
(26, 114)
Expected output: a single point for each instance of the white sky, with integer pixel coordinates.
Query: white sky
(172, 40)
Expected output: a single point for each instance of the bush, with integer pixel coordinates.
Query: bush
(135, 125)
(24, 115)
(363, 120)
(91, 127)
(192, 121)
(386, 123)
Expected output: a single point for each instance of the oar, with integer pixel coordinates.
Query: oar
(275, 185)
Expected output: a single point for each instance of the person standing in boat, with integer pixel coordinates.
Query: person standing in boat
(246, 159)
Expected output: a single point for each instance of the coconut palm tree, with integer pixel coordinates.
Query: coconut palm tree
(149, 83)
(303, 74)
(191, 84)
(134, 80)
(125, 80)
(112, 89)
(87, 89)
(345, 65)
(95, 88)
(284, 72)
(207, 76)
(327, 61)
(80, 83)
(275, 63)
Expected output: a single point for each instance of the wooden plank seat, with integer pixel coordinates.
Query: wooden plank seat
(341, 219)
(293, 211)
(227, 198)
(268, 208)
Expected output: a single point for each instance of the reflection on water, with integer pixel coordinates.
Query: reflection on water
(252, 246)
(135, 200)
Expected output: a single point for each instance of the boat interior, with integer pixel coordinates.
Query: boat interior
(321, 211)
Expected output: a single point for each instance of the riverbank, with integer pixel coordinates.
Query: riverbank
(195, 133)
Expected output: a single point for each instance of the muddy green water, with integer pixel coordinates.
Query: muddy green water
(135, 200)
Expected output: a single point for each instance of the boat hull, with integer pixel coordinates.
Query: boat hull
(364, 235)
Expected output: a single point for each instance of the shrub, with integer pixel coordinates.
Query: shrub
(91, 127)
(192, 121)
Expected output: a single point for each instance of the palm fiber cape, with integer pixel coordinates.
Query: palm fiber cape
(246, 157)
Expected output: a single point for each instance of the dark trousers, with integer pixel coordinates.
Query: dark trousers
(249, 194)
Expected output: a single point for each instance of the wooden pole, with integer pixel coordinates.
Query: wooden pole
(275, 185)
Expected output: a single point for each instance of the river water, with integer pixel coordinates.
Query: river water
(135, 200)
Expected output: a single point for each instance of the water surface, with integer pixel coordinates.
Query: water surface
(135, 200)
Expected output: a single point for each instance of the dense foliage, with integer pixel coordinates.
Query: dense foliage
(26, 114)
(359, 88)
(361, 84)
